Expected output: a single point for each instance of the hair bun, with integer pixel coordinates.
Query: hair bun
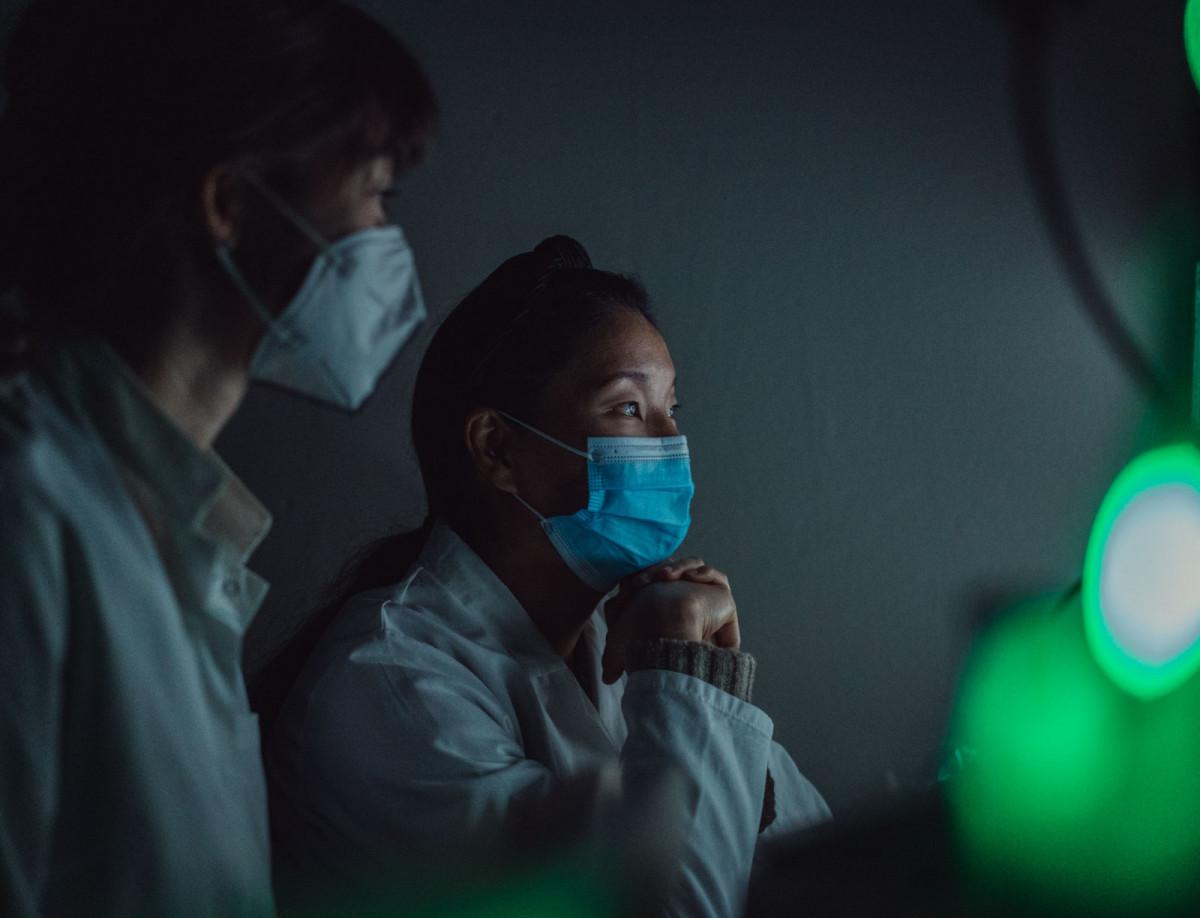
(563, 252)
(556, 253)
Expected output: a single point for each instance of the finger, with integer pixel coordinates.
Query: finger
(671, 571)
(626, 589)
(612, 661)
(729, 635)
(706, 574)
(614, 607)
(663, 570)
(717, 612)
(619, 625)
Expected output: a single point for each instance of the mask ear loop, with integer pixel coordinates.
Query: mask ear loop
(225, 257)
(556, 442)
(288, 211)
(545, 436)
(239, 280)
(527, 505)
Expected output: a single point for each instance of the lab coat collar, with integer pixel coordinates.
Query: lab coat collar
(192, 486)
(484, 609)
(473, 603)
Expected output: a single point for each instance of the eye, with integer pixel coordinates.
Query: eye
(629, 409)
(673, 411)
(390, 192)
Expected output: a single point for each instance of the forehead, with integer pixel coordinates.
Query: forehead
(349, 176)
(625, 344)
(349, 151)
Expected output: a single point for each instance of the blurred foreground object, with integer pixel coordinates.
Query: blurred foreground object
(1141, 577)
(1191, 38)
(1080, 794)
(563, 887)
(1084, 798)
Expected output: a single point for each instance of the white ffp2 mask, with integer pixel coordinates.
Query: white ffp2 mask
(358, 305)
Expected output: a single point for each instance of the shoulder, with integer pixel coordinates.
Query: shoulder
(61, 498)
(32, 465)
(398, 648)
(423, 623)
(39, 506)
(389, 694)
(49, 457)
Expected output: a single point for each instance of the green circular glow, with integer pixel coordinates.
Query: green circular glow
(1080, 797)
(1176, 466)
(1191, 38)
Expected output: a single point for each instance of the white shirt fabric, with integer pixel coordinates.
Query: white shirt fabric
(130, 778)
(434, 714)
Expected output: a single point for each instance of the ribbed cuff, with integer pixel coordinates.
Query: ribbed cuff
(729, 670)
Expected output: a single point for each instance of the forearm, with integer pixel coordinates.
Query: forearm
(719, 746)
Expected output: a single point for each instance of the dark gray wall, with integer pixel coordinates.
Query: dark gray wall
(893, 402)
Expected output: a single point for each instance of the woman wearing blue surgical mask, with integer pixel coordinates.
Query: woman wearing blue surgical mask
(478, 693)
(191, 197)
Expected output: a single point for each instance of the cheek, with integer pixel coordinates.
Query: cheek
(277, 269)
(348, 211)
(556, 488)
(353, 219)
(371, 215)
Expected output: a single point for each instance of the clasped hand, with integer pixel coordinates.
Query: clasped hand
(682, 600)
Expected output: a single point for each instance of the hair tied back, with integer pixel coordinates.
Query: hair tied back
(558, 252)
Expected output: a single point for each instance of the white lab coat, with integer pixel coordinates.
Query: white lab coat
(434, 713)
(130, 777)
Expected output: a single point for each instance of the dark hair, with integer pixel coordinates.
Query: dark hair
(499, 348)
(116, 110)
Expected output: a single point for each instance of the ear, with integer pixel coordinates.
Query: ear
(220, 201)
(488, 440)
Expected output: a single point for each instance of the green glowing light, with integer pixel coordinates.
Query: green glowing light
(1080, 796)
(1141, 575)
(579, 884)
(1191, 38)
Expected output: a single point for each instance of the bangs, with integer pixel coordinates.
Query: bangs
(389, 82)
(356, 93)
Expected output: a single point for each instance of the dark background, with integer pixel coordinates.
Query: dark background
(896, 408)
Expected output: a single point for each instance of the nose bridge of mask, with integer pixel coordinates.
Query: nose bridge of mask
(642, 453)
(626, 462)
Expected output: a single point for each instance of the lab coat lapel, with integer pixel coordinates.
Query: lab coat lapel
(491, 616)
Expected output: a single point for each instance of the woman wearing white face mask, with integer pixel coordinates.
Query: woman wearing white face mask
(190, 197)
(479, 695)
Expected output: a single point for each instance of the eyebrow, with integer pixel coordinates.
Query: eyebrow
(635, 375)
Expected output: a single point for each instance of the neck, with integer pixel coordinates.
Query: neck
(556, 600)
(195, 361)
(193, 382)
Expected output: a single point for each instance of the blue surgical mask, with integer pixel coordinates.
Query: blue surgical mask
(358, 305)
(639, 490)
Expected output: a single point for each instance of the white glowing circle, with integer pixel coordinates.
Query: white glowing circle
(1150, 574)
